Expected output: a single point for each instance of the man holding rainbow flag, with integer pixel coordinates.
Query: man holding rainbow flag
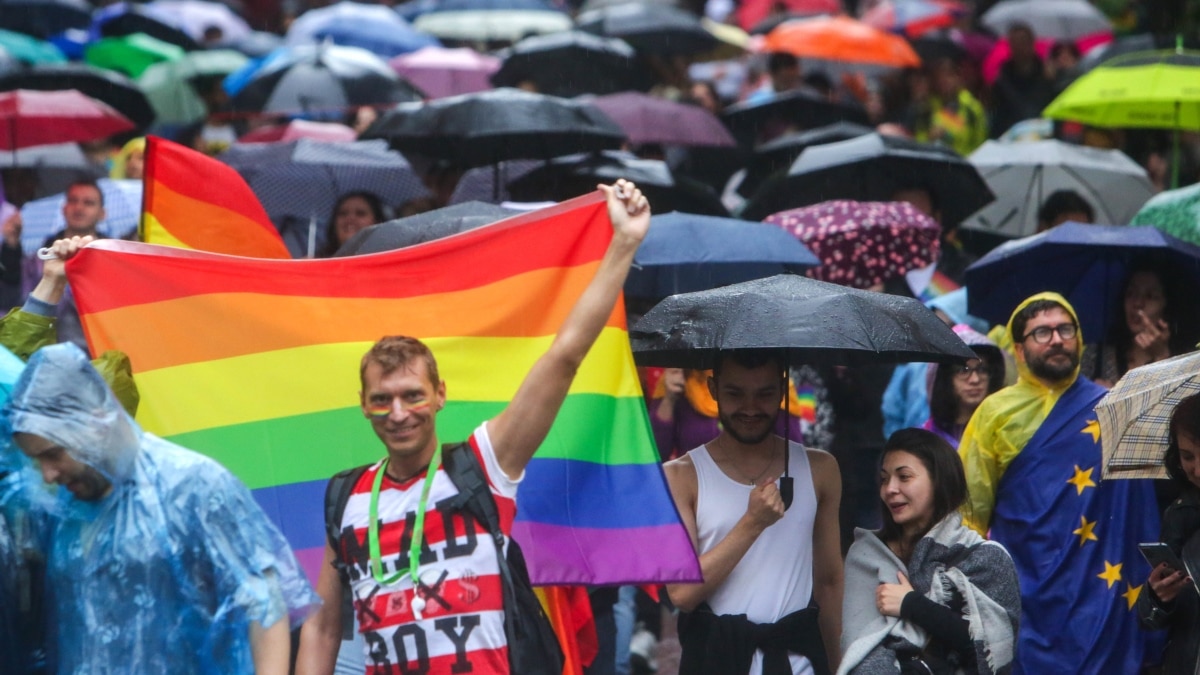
(429, 596)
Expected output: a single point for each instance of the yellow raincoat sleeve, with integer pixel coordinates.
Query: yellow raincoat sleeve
(985, 454)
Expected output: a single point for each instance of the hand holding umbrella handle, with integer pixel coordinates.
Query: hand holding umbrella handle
(46, 253)
(787, 490)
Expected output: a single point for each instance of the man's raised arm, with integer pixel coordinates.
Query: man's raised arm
(517, 432)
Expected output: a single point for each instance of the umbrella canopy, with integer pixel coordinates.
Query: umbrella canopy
(489, 183)
(441, 72)
(112, 88)
(490, 20)
(52, 167)
(1055, 19)
(914, 17)
(1088, 264)
(29, 118)
(874, 167)
(297, 129)
(122, 210)
(1023, 175)
(322, 79)
(571, 63)
(28, 49)
(374, 28)
(862, 244)
(799, 109)
(423, 227)
(760, 16)
(685, 252)
(303, 179)
(779, 154)
(130, 54)
(1135, 416)
(570, 176)
(649, 119)
(257, 44)
(196, 17)
(44, 18)
(810, 321)
(492, 126)
(841, 40)
(1131, 44)
(1154, 90)
(650, 28)
(124, 18)
(1176, 212)
(168, 85)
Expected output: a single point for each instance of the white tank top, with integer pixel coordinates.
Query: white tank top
(775, 576)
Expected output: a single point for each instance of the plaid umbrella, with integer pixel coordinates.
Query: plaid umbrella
(861, 244)
(1134, 416)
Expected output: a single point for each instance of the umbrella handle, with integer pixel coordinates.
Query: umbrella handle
(46, 254)
(787, 490)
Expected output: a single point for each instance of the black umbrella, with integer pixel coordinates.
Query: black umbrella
(43, 18)
(423, 227)
(323, 78)
(570, 176)
(493, 126)
(779, 154)
(571, 63)
(128, 19)
(932, 48)
(650, 28)
(797, 109)
(802, 319)
(874, 167)
(106, 86)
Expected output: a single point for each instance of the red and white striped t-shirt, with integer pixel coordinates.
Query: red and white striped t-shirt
(462, 629)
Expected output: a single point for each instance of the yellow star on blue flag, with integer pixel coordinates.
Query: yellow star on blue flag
(1086, 533)
(1111, 573)
(1082, 479)
(1131, 594)
(1092, 427)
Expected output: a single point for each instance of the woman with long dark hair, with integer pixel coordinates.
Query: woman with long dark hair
(924, 593)
(955, 391)
(1170, 601)
(353, 211)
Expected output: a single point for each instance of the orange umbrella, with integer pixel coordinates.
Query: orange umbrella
(841, 39)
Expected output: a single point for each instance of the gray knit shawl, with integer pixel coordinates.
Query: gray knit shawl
(950, 564)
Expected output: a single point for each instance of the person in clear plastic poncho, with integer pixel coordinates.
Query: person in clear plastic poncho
(158, 559)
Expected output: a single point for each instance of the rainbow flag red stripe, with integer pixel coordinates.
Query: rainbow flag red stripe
(255, 363)
(191, 200)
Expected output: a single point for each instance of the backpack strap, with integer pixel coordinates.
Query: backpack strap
(337, 494)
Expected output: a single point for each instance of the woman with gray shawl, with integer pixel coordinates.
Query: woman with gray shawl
(925, 594)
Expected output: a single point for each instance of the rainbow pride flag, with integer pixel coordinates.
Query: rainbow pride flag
(191, 200)
(255, 362)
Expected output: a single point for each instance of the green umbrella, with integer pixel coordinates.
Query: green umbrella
(168, 87)
(1145, 90)
(1176, 212)
(131, 54)
(29, 49)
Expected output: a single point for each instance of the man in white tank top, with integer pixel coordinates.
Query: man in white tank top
(763, 564)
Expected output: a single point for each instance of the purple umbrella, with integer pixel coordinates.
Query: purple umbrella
(647, 119)
(862, 244)
(443, 72)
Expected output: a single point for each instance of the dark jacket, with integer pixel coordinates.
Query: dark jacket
(725, 644)
(1181, 617)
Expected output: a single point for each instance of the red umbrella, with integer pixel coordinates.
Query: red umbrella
(862, 244)
(29, 118)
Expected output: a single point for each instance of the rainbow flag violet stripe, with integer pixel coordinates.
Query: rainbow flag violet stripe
(255, 363)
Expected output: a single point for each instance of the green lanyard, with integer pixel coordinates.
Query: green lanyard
(414, 549)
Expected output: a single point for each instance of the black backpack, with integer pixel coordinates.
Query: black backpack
(533, 648)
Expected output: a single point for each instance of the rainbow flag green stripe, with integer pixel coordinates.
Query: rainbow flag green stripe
(255, 363)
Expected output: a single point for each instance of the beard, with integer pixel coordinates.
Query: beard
(1041, 367)
(730, 426)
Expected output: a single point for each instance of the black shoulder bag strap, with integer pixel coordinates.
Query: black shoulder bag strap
(533, 648)
(337, 494)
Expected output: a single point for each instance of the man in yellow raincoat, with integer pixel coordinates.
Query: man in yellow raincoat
(1032, 456)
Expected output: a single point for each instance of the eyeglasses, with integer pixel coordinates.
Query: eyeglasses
(384, 408)
(965, 371)
(1042, 334)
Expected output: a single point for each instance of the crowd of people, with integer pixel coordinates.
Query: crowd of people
(945, 518)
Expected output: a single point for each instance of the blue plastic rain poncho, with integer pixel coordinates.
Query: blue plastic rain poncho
(166, 572)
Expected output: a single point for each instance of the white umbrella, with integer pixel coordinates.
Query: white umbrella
(195, 16)
(1022, 175)
(1135, 416)
(509, 25)
(1056, 19)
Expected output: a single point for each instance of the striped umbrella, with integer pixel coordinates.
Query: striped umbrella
(1134, 416)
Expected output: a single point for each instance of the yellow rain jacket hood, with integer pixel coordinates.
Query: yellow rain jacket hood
(1005, 422)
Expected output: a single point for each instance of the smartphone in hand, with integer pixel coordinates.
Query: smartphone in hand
(1157, 553)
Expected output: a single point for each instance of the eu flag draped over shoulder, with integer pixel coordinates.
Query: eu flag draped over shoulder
(1074, 541)
(255, 362)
